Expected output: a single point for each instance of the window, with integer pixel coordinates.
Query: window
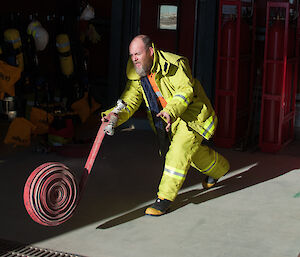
(167, 17)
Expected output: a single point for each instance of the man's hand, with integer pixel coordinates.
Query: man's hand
(104, 119)
(167, 119)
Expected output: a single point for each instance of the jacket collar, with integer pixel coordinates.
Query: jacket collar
(159, 62)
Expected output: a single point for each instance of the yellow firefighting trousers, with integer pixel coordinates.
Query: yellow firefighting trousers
(186, 150)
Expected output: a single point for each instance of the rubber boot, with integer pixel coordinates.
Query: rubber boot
(159, 208)
(208, 182)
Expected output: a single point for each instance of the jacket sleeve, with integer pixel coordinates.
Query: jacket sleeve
(133, 97)
(182, 85)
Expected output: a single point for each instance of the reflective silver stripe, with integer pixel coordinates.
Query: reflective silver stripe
(211, 166)
(158, 94)
(62, 45)
(181, 96)
(14, 40)
(209, 127)
(34, 31)
(175, 173)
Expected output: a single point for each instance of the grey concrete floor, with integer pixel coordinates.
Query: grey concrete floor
(254, 211)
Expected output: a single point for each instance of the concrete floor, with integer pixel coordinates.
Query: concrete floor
(254, 211)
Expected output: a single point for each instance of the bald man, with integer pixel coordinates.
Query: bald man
(180, 114)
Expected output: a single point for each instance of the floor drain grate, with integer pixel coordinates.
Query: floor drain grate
(9, 249)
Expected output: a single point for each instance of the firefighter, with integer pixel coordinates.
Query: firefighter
(180, 114)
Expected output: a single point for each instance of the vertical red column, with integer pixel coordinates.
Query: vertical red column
(279, 79)
(234, 75)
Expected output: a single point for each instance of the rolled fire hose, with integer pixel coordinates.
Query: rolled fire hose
(51, 192)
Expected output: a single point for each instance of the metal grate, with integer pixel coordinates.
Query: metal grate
(9, 249)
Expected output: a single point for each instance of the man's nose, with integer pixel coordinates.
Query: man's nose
(135, 58)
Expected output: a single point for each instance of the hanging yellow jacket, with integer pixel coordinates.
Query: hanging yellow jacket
(9, 75)
(185, 97)
(19, 132)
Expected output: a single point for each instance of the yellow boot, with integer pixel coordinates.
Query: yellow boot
(159, 208)
(208, 182)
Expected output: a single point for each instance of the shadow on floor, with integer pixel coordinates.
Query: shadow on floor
(259, 173)
(125, 176)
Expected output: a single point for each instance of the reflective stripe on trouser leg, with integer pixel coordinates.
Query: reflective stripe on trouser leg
(178, 159)
(171, 182)
(210, 162)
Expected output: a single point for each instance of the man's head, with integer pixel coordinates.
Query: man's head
(141, 54)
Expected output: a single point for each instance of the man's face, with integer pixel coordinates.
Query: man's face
(141, 57)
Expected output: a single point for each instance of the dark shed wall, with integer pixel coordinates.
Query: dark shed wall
(205, 44)
(124, 26)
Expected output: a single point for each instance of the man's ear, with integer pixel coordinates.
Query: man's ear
(151, 51)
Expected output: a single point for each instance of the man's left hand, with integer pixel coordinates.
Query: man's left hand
(167, 118)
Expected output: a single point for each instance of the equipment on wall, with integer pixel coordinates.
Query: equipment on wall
(51, 192)
(9, 75)
(234, 74)
(40, 35)
(37, 41)
(65, 54)
(13, 39)
(281, 59)
(88, 13)
(8, 107)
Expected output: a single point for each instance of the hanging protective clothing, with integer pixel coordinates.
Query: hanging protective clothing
(192, 115)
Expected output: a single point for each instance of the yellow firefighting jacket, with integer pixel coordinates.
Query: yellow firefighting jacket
(184, 95)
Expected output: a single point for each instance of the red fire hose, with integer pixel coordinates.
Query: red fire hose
(51, 192)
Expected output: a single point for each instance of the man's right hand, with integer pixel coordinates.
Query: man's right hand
(105, 119)
(167, 118)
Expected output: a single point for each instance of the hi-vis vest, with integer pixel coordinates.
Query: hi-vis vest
(185, 97)
(161, 99)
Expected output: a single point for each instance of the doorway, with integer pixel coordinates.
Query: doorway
(170, 24)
